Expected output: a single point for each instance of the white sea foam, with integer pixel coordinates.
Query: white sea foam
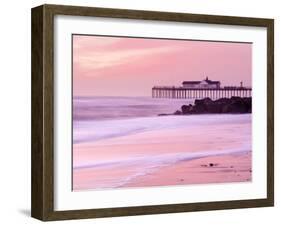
(108, 108)
(90, 131)
(140, 166)
(160, 159)
(131, 123)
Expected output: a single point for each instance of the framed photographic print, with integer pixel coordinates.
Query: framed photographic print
(142, 112)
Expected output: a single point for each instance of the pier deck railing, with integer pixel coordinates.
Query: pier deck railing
(188, 93)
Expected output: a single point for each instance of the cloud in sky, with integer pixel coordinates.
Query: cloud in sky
(102, 60)
(117, 66)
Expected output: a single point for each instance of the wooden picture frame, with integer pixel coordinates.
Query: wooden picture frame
(42, 203)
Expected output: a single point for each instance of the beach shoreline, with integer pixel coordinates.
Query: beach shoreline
(207, 170)
(153, 152)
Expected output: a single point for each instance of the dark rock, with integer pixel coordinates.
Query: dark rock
(163, 114)
(178, 112)
(248, 103)
(202, 105)
(204, 101)
(199, 108)
(223, 101)
(235, 98)
(213, 164)
(186, 109)
(223, 105)
(214, 108)
(237, 105)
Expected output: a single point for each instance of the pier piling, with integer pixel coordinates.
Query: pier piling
(188, 93)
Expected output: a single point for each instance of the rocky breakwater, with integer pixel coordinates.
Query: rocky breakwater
(233, 105)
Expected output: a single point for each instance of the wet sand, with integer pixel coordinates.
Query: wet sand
(218, 169)
(200, 149)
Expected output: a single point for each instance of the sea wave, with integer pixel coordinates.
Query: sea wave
(148, 164)
(111, 108)
(91, 131)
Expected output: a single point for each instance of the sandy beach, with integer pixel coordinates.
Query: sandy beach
(169, 150)
(219, 169)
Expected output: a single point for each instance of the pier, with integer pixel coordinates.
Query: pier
(189, 93)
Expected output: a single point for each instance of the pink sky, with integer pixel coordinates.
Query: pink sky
(114, 66)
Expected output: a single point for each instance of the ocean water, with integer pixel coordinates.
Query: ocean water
(118, 139)
(105, 113)
(106, 108)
